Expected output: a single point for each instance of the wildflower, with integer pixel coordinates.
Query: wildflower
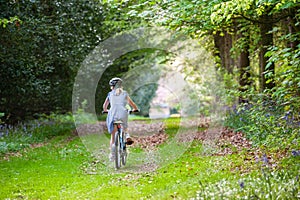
(296, 152)
(265, 159)
(256, 159)
(242, 184)
(234, 108)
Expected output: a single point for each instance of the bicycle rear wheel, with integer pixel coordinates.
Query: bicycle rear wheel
(117, 151)
(124, 150)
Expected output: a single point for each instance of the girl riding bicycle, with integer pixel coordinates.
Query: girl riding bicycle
(117, 99)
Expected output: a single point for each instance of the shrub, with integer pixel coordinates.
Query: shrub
(266, 123)
(22, 135)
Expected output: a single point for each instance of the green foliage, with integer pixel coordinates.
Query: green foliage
(117, 18)
(143, 97)
(227, 11)
(40, 56)
(287, 78)
(189, 17)
(4, 22)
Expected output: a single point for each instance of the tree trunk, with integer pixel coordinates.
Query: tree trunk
(266, 75)
(243, 60)
(244, 70)
(293, 28)
(223, 44)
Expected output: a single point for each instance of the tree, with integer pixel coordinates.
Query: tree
(40, 56)
(264, 14)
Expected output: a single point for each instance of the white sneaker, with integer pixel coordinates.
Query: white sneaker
(129, 141)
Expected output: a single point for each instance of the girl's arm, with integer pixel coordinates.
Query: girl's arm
(105, 104)
(131, 103)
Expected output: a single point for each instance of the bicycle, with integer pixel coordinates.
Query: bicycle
(120, 150)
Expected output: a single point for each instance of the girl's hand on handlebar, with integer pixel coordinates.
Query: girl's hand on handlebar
(134, 111)
(104, 111)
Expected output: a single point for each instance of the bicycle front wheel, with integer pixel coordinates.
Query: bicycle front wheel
(117, 150)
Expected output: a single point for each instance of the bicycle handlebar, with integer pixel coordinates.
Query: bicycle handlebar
(134, 111)
(130, 111)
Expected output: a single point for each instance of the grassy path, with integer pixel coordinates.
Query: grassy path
(64, 169)
(58, 172)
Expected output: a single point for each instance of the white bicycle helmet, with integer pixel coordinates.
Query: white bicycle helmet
(114, 81)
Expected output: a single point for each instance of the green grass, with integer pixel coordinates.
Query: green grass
(63, 169)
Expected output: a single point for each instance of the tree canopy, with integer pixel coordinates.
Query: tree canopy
(255, 45)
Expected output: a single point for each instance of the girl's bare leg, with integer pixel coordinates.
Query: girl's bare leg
(112, 137)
